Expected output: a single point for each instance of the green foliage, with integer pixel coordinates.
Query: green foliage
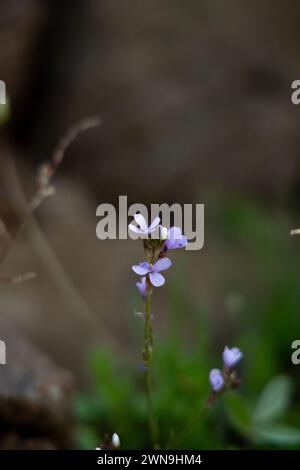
(119, 403)
(280, 435)
(239, 412)
(259, 423)
(274, 401)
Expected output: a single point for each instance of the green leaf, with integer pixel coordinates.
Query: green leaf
(274, 400)
(86, 438)
(277, 434)
(87, 408)
(238, 412)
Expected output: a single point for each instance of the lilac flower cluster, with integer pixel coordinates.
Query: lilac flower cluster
(156, 249)
(226, 379)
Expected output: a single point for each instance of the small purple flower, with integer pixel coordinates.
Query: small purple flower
(142, 287)
(231, 356)
(142, 228)
(216, 380)
(156, 279)
(175, 239)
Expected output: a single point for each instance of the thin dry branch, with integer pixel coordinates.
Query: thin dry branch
(48, 170)
(45, 175)
(17, 279)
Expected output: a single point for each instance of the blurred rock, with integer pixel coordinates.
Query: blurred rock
(34, 397)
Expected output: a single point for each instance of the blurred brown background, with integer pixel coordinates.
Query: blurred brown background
(195, 102)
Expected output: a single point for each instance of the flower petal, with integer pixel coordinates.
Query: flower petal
(157, 279)
(175, 233)
(175, 239)
(216, 380)
(161, 265)
(142, 287)
(134, 229)
(183, 242)
(154, 224)
(140, 220)
(163, 233)
(231, 356)
(141, 269)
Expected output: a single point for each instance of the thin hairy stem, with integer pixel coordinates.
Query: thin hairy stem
(147, 357)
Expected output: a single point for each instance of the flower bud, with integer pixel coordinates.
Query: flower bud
(163, 233)
(216, 380)
(115, 440)
(231, 356)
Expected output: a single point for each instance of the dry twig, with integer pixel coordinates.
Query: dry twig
(45, 175)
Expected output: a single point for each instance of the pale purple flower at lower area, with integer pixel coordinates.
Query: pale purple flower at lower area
(216, 380)
(142, 287)
(231, 356)
(153, 270)
(175, 239)
(227, 378)
(142, 228)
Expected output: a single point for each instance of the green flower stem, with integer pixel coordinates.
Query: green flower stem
(147, 357)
